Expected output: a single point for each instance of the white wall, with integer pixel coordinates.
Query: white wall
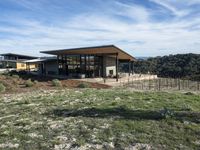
(109, 63)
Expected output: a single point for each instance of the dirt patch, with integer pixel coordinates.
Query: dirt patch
(15, 84)
(75, 84)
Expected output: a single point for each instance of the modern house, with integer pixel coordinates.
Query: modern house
(87, 62)
(16, 61)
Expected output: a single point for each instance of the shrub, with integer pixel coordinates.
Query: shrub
(15, 76)
(29, 83)
(2, 88)
(83, 85)
(35, 82)
(166, 113)
(56, 83)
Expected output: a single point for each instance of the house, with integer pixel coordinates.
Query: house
(99, 61)
(16, 61)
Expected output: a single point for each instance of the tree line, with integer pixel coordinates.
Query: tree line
(185, 66)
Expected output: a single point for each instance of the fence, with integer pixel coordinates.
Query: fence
(161, 84)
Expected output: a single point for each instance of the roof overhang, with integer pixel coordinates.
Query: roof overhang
(38, 60)
(18, 55)
(99, 50)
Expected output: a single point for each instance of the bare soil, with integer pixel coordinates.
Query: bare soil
(17, 85)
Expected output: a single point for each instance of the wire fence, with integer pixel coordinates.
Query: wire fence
(161, 84)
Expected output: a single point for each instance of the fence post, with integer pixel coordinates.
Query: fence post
(179, 84)
(198, 86)
(149, 85)
(167, 83)
(159, 82)
(132, 80)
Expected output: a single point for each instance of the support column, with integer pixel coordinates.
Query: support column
(85, 67)
(117, 67)
(132, 68)
(129, 67)
(58, 62)
(66, 68)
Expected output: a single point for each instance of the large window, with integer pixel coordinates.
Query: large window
(72, 65)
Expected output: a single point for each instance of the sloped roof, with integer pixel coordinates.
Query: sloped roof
(98, 50)
(18, 55)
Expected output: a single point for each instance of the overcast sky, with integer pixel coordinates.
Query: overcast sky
(140, 27)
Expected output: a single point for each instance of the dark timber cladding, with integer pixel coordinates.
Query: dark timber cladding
(90, 58)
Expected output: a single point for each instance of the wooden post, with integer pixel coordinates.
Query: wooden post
(198, 86)
(129, 68)
(179, 84)
(132, 67)
(149, 85)
(85, 67)
(58, 64)
(167, 83)
(159, 82)
(117, 65)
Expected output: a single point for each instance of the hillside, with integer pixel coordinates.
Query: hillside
(99, 119)
(175, 66)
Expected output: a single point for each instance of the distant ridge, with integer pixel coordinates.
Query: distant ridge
(141, 58)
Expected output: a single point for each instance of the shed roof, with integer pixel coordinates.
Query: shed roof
(98, 50)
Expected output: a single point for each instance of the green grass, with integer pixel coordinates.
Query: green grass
(104, 119)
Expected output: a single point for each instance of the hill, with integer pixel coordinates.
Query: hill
(185, 66)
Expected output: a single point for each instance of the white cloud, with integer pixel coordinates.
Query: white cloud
(141, 38)
(172, 6)
(133, 11)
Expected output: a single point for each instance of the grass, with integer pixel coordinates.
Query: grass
(104, 119)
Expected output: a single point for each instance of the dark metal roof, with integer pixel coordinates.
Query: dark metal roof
(106, 49)
(18, 55)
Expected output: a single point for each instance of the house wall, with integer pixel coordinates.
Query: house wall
(33, 66)
(51, 68)
(20, 66)
(109, 63)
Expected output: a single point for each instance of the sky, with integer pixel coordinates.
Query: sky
(140, 27)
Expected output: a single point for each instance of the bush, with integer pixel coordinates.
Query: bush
(83, 85)
(35, 82)
(166, 113)
(56, 83)
(29, 83)
(15, 76)
(2, 88)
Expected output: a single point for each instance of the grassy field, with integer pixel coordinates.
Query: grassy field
(99, 119)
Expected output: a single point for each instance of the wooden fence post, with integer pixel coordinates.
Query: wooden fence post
(179, 84)
(198, 86)
(159, 82)
(149, 85)
(167, 83)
